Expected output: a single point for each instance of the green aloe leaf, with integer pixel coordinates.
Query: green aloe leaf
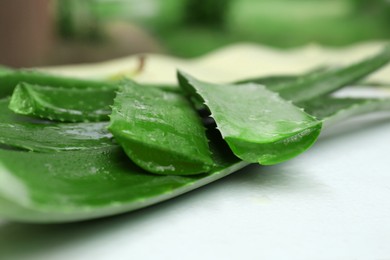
(258, 125)
(85, 184)
(9, 79)
(275, 80)
(160, 131)
(270, 80)
(60, 104)
(77, 185)
(45, 136)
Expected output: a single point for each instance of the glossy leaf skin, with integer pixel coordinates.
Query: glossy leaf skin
(45, 136)
(317, 84)
(160, 131)
(60, 104)
(10, 78)
(258, 125)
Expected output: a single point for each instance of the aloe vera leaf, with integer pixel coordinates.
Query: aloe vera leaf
(269, 80)
(51, 187)
(10, 78)
(332, 110)
(60, 104)
(44, 136)
(258, 125)
(275, 80)
(160, 131)
(317, 84)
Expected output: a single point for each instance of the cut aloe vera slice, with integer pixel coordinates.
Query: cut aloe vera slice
(258, 125)
(160, 131)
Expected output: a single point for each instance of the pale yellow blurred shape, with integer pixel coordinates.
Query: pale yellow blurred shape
(229, 64)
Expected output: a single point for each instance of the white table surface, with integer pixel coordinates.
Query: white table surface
(332, 202)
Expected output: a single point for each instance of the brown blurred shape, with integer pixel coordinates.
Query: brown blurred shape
(26, 32)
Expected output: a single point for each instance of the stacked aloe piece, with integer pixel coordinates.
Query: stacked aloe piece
(73, 149)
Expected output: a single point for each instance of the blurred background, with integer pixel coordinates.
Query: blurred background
(50, 32)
